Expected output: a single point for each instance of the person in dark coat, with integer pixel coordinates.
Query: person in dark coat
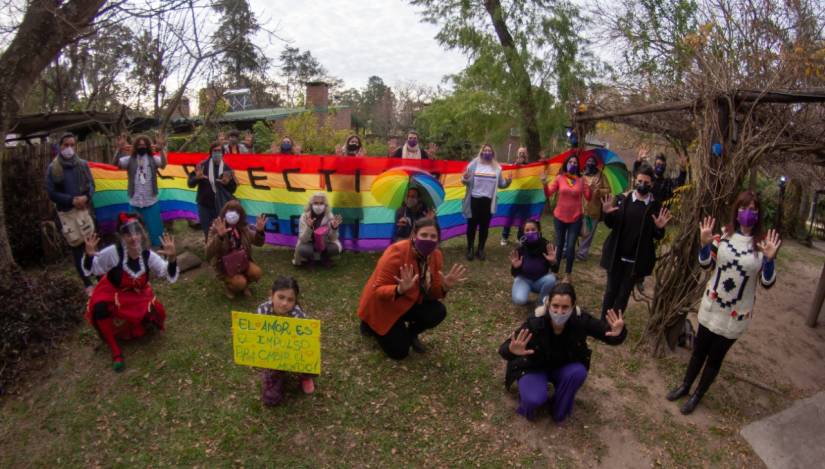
(663, 186)
(411, 149)
(637, 220)
(552, 348)
(70, 186)
(216, 183)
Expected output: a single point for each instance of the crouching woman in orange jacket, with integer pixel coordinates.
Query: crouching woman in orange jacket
(401, 297)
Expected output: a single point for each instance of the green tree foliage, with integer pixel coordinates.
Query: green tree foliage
(530, 47)
(242, 59)
(655, 32)
(298, 68)
(313, 137)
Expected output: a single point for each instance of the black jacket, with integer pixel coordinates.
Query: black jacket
(400, 151)
(663, 187)
(552, 351)
(645, 250)
(206, 196)
(536, 251)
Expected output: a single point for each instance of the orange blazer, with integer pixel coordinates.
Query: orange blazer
(380, 307)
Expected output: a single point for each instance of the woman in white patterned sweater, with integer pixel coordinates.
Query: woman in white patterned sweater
(741, 256)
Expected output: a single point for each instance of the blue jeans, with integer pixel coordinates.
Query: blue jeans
(151, 218)
(566, 234)
(522, 286)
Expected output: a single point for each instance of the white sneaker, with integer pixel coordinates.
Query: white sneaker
(504, 242)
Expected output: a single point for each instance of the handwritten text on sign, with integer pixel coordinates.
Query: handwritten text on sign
(277, 342)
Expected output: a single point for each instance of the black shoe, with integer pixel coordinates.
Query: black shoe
(480, 255)
(678, 392)
(417, 345)
(469, 254)
(691, 404)
(366, 330)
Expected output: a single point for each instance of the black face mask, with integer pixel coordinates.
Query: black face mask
(142, 151)
(643, 188)
(590, 168)
(353, 147)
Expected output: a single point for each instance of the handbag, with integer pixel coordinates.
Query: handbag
(319, 237)
(236, 262)
(76, 225)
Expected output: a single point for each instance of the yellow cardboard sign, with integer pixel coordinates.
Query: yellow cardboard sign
(277, 342)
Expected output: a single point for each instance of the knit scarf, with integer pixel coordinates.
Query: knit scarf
(410, 153)
(83, 176)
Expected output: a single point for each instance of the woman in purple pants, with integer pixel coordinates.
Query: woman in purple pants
(552, 348)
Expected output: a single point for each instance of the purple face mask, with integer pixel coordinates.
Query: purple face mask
(572, 167)
(747, 217)
(425, 246)
(531, 237)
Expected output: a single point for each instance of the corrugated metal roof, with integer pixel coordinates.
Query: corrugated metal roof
(267, 114)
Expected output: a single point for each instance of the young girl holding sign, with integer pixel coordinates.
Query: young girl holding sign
(283, 302)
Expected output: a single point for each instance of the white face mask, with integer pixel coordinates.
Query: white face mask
(318, 208)
(232, 217)
(559, 318)
(67, 153)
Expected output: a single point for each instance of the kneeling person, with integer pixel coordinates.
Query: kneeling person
(552, 348)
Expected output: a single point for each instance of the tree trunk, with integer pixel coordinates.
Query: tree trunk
(42, 33)
(524, 89)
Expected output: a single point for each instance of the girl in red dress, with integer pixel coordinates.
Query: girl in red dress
(123, 304)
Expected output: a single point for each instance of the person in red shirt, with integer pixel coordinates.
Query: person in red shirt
(572, 189)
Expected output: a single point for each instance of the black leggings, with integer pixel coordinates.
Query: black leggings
(481, 216)
(397, 341)
(77, 255)
(709, 349)
(620, 283)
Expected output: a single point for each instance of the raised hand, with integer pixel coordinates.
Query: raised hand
(260, 222)
(607, 204)
(91, 244)
(770, 245)
(167, 243)
(220, 226)
(518, 343)
(336, 222)
(706, 230)
(515, 260)
(642, 156)
(407, 279)
(466, 176)
(199, 172)
(455, 276)
(550, 254)
(160, 142)
(662, 219)
(226, 178)
(616, 323)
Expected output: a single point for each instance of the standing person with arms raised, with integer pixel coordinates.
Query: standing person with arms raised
(738, 256)
(636, 220)
(482, 179)
(142, 170)
(567, 216)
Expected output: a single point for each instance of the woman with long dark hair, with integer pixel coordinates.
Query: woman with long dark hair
(739, 256)
(567, 216)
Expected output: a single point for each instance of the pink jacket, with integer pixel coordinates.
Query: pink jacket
(569, 205)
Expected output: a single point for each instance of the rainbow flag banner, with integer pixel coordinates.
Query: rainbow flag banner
(280, 186)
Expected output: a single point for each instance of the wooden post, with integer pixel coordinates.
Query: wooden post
(819, 298)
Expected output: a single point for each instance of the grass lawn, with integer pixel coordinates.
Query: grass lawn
(183, 402)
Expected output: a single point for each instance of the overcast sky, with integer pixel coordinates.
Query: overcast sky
(356, 39)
